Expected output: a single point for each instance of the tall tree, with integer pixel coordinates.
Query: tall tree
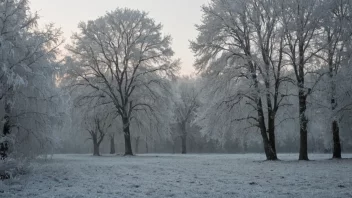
(239, 46)
(336, 41)
(301, 21)
(124, 57)
(28, 55)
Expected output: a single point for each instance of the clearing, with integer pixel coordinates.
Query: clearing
(159, 175)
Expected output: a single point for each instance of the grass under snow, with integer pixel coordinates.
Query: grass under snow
(154, 175)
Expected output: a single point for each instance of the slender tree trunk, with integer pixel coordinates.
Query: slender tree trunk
(245, 144)
(127, 136)
(96, 151)
(336, 138)
(112, 144)
(137, 145)
(184, 142)
(303, 122)
(146, 145)
(4, 146)
(184, 138)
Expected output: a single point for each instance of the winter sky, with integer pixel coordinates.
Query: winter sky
(177, 16)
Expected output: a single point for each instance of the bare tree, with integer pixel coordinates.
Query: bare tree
(301, 21)
(336, 40)
(97, 129)
(186, 103)
(137, 141)
(124, 57)
(112, 143)
(240, 46)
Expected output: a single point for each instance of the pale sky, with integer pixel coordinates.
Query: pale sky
(177, 16)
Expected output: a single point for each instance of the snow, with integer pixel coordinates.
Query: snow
(159, 175)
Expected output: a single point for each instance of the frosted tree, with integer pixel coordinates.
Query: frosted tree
(27, 74)
(124, 58)
(336, 42)
(97, 124)
(302, 21)
(112, 143)
(240, 46)
(186, 103)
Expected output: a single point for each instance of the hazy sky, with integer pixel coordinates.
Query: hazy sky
(177, 16)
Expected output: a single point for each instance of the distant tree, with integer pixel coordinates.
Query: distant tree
(137, 141)
(124, 58)
(186, 103)
(112, 143)
(97, 126)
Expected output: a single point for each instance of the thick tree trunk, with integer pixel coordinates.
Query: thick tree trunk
(302, 97)
(303, 122)
(271, 111)
(127, 136)
(269, 152)
(271, 133)
(4, 146)
(128, 145)
(112, 144)
(336, 138)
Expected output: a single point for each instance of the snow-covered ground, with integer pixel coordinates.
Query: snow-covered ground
(67, 176)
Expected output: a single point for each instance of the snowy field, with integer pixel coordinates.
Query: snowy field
(73, 176)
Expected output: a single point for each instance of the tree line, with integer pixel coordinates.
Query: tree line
(268, 70)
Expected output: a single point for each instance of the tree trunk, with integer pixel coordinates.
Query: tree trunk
(184, 147)
(184, 138)
(96, 151)
(336, 138)
(137, 145)
(271, 133)
(112, 144)
(173, 148)
(127, 135)
(269, 152)
(303, 122)
(271, 111)
(146, 145)
(4, 146)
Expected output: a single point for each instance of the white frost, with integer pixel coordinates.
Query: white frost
(184, 176)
